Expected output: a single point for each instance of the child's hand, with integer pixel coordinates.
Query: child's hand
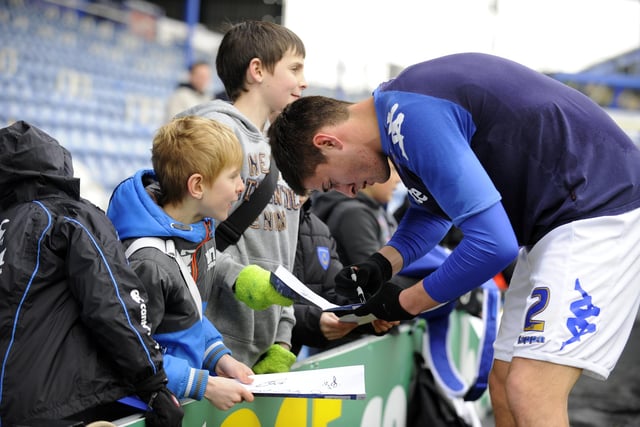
(332, 328)
(230, 367)
(253, 287)
(224, 393)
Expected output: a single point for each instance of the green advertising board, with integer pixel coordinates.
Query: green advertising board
(388, 363)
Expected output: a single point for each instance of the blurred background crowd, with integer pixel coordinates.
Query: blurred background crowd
(97, 74)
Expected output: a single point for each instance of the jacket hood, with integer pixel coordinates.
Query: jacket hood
(134, 213)
(325, 203)
(33, 165)
(219, 107)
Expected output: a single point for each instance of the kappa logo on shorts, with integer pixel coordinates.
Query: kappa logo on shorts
(583, 309)
(522, 339)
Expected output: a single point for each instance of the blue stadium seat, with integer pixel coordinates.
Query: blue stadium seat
(90, 82)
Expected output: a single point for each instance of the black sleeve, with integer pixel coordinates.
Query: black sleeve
(307, 331)
(155, 281)
(111, 297)
(329, 285)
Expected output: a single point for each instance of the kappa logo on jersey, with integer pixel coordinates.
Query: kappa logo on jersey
(395, 129)
(3, 249)
(417, 195)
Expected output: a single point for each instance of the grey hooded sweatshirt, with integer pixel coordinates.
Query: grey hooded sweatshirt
(270, 241)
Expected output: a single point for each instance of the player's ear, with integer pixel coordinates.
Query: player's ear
(324, 141)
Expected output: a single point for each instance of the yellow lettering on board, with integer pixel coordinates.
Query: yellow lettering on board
(325, 411)
(293, 413)
(242, 417)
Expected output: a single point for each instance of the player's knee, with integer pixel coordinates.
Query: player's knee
(522, 389)
(516, 390)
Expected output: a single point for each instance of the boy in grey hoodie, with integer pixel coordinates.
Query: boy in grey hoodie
(261, 66)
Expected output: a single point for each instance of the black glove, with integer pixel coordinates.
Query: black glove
(164, 409)
(370, 275)
(385, 304)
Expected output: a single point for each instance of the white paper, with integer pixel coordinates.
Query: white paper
(360, 320)
(346, 382)
(292, 282)
(288, 283)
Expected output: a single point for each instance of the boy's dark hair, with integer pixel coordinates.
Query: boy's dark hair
(252, 39)
(291, 136)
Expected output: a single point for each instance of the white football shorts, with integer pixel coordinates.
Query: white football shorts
(574, 295)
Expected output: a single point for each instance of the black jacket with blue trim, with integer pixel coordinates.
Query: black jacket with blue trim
(316, 265)
(72, 312)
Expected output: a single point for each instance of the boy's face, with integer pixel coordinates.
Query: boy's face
(286, 83)
(219, 196)
(201, 77)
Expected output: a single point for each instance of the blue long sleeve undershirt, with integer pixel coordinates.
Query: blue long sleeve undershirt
(488, 246)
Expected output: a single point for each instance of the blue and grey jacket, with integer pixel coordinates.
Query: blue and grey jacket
(192, 345)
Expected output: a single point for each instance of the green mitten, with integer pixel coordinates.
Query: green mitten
(277, 359)
(254, 288)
